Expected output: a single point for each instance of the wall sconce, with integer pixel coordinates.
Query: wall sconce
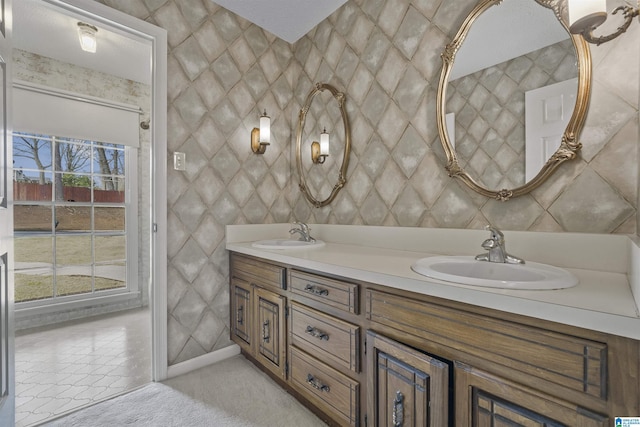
(586, 15)
(320, 151)
(260, 137)
(87, 35)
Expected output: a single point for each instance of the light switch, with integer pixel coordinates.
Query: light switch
(179, 161)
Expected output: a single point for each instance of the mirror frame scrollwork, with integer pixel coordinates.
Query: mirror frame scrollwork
(342, 175)
(569, 147)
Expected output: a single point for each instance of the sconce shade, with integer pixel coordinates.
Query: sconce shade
(585, 15)
(87, 36)
(260, 137)
(324, 143)
(265, 128)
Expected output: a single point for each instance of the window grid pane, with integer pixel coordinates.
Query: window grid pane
(74, 191)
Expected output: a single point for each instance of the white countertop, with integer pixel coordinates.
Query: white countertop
(604, 264)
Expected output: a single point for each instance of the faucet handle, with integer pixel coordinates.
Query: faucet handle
(495, 233)
(304, 227)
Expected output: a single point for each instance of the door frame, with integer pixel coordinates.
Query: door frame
(158, 38)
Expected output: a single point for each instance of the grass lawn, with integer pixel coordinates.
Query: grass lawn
(70, 250)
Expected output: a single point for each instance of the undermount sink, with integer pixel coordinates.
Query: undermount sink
(286, 244)
(466, 270)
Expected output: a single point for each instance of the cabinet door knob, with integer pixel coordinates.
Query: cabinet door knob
(313, 382)
(397, 413)
(315, 332)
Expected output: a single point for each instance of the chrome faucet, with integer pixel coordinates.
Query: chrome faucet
(496, 247)
(303, 231)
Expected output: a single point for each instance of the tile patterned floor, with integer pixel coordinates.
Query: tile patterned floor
(78, 363)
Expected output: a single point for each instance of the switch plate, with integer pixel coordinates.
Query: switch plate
(179, 161)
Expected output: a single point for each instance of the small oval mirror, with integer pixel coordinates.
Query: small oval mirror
(487, 102)
(320, 124)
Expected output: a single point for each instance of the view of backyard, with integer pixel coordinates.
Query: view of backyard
(69, 217)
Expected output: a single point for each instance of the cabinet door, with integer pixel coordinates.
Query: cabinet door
(483, 399)
(405, 388)
(241, 314)
(270, 333)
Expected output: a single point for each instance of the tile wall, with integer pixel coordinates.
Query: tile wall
(384, 54)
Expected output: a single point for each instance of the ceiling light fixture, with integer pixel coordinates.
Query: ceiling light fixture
(87, 35)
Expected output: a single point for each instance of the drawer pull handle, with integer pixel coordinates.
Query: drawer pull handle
(316, 290)
(240, 315)
(397, 413)
(316, 384)
(315, 332)
(265, 331)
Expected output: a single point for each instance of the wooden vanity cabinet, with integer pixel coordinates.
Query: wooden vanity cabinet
(258, 312)
(368, 355)
(514, 370)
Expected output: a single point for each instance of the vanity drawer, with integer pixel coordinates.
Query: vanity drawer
(541, 355)
(326, 337)
(332, 392)
(258, 272)
(331, 292)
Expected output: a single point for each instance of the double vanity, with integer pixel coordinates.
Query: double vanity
(356, 324)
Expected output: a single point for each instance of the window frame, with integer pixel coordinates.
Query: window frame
(132, 287)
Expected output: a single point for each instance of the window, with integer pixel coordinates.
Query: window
(74, 219)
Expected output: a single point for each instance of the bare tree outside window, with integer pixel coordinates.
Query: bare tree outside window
(111, 164)
(34, 149)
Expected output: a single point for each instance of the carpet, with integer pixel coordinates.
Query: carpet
(154, 405)
(231, 393)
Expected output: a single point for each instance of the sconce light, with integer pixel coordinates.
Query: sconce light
(320, 151)
(261, 137)
(87, 35)
(586, 15)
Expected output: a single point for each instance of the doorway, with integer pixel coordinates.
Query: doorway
(150, 289)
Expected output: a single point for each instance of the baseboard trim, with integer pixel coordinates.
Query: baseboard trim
(202, 361)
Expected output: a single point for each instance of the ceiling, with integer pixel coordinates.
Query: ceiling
(43, 29)
(287, 19)
(505, 31)
(46, 30)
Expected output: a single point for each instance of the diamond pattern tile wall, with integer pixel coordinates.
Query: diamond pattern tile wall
(223, 71)
(491, 140)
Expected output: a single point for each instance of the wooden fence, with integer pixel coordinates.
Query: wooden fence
(33, 192)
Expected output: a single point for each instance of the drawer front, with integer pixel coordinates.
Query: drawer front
(334, 293)
(332, 392)
(326, 337)
(564, 360)
(258, 272)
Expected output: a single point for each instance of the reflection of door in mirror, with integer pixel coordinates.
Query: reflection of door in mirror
(548, 110)
(488, 82)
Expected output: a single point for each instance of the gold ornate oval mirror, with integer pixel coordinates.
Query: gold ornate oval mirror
(320, 146)
(511, 109)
